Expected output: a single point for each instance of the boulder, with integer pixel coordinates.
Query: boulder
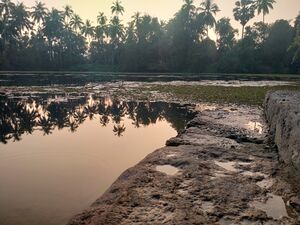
(282, 111)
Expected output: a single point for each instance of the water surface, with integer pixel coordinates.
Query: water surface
(58, 156)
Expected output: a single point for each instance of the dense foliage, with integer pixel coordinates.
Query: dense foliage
(42, 39)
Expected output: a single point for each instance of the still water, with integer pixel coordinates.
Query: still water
(58, 155)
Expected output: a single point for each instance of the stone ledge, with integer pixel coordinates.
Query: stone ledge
(282, 110)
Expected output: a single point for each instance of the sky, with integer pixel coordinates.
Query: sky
(165, 9)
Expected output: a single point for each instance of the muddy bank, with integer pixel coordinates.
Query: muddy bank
(219, 170)
(283, 115)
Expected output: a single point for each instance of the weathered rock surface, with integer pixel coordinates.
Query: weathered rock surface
(218, 171)
(282, 110)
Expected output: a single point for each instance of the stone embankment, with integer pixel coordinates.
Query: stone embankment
(220, 170)
(282, 109)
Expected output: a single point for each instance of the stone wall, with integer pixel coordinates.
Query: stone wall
(282, 110)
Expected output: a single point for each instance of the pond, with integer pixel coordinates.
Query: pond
(58, 154)
(66, 137)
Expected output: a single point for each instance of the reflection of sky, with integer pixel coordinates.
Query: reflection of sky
(165, 9)
(47, 179)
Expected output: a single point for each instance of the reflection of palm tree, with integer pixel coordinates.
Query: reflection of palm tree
(117, 111)
(28, 119)
(119, 130)
(16, 130)
(80, 116)
(58, 115)
(73, 126)
(17, 118)
(45, 124)
(91, 110)
(142, 114)
(104, 120)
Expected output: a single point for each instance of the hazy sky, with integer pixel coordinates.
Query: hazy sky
(165, 9)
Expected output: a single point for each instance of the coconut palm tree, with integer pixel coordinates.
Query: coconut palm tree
(188, 6)
(21, 18)
(101, 28)
(116, 32)
(208, 9)
(67, 14)
(135, 26)
(53, 28)
(117, 8)
(136, 18)
(116, 29)
(39, 12)
(243, 12)
(101, 19)
(88, 30)
(5, 8)
(53, 23)
(76, 22)
(264, 6)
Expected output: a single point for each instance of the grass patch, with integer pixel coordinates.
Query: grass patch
(219, 94)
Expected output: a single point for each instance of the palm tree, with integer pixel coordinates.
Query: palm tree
(136, 18)
(243, 12)
(116, 30)
(117, 8)
(68, 13)
(264, 6)
(101, 19)
(188, 6)
(76, 22)
(5, 8)
(88, 30)
(100, 29)
(53, 29)
(226, 34)
(21, 17)
(208, 11)
(39, 12)
(134, 26)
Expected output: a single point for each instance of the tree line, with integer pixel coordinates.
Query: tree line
(38, 38)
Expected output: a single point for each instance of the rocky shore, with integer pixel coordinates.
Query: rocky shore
(282, 110)
(222, 169)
